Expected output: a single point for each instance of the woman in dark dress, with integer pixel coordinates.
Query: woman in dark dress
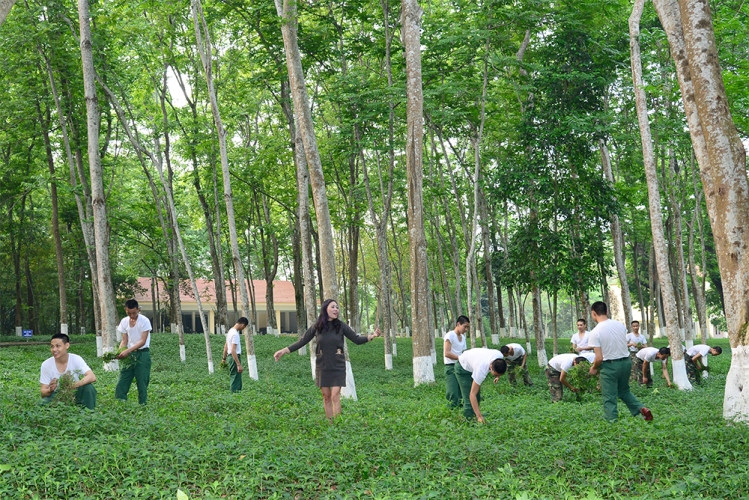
(330, 370)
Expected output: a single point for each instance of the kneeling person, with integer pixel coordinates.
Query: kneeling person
(648, 355)
(556, 373)
(62, 362)
(515, 355)
(471, 370)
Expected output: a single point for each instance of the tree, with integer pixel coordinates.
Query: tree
(722, 160)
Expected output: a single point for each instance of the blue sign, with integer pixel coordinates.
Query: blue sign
(27, 333)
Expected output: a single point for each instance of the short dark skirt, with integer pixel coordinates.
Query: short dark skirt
(330, 370)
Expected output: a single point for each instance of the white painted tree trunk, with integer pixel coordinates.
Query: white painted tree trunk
(423, 370)
(98, 199)
(722, 159)
(203, 39)
(654, 199)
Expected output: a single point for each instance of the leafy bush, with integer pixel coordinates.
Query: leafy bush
(579, 377)
(110, 356)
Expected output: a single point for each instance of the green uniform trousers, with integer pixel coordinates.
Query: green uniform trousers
(465, 381)
(235, 378)
(451, 386)
(615, 384)
(85, 395)
(140, 370)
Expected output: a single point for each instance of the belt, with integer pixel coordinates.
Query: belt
(144, 349)
(614, 360)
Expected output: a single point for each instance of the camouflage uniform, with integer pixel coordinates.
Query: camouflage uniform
(637, 371)
(694, 374)
(555, 385)
(511, 364)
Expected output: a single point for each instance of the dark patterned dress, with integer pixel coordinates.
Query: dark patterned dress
(330, 368)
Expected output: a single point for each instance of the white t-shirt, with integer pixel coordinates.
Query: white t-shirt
(142, 324)
(589, 355)
(611, 337)
(456, 346)
(580, 340)
(477, 361)
(563, 362)
(233, 338)
(648, 354)
(636, 339)
(76, 367)
(517, 352)
(703, 349)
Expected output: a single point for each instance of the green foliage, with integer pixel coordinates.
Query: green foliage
(272, 439)
(65, 393)
(579, 377)
(110, 356)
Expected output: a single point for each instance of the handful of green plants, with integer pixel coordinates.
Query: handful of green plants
(578, 376)
(110, 356)
(65, 392)
(223, 365)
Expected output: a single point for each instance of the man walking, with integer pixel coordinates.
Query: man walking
(609, 342)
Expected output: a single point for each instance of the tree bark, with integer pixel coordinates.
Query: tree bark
(654, 198)
(98, 200)
(205, 49)
(423, 370)
(5, 6)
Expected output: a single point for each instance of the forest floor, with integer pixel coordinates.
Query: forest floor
(272, 440)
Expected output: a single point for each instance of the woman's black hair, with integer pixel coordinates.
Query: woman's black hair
(323, 318)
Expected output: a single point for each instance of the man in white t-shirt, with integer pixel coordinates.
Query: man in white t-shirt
(645, 357)
(635, 342)
(61, 363)
(515, 355)
(579, 340)
(609, 342)
(556, 373)
(472, 368)
(693, 360)
(455, 344)
(233, 347)
(136, 338)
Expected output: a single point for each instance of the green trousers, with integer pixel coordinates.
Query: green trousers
(465, 381)
(235, 378)
(451, 386)
(140, 370)
(615, 384)
(85, 395)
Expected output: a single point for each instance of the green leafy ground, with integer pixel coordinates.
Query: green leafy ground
(271, 440)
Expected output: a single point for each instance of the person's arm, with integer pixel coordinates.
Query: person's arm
(665, 373)
(597, 362)
(306, 339)
(223, 356)
(136, 346)
(236, 357)
(475, 401)
(645, 370)
(697, 359)
(354, 337)
(449, 354)
(88, 378)
(123, 343)
(563, 380)
(522, 363)
(48, 389)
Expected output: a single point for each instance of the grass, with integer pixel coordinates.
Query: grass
(272, 441)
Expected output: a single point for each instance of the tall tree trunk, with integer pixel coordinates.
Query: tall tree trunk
(638, 285)
(616, 234)
(205, 49)
(98, 201)
(722, 160)
(654, 198)
(46, 120)
(422, 338)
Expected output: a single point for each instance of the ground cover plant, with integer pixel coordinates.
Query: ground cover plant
(272, 441)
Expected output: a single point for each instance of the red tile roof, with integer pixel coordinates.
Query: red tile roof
(283, 291)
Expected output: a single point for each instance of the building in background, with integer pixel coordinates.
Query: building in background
(152, 307)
